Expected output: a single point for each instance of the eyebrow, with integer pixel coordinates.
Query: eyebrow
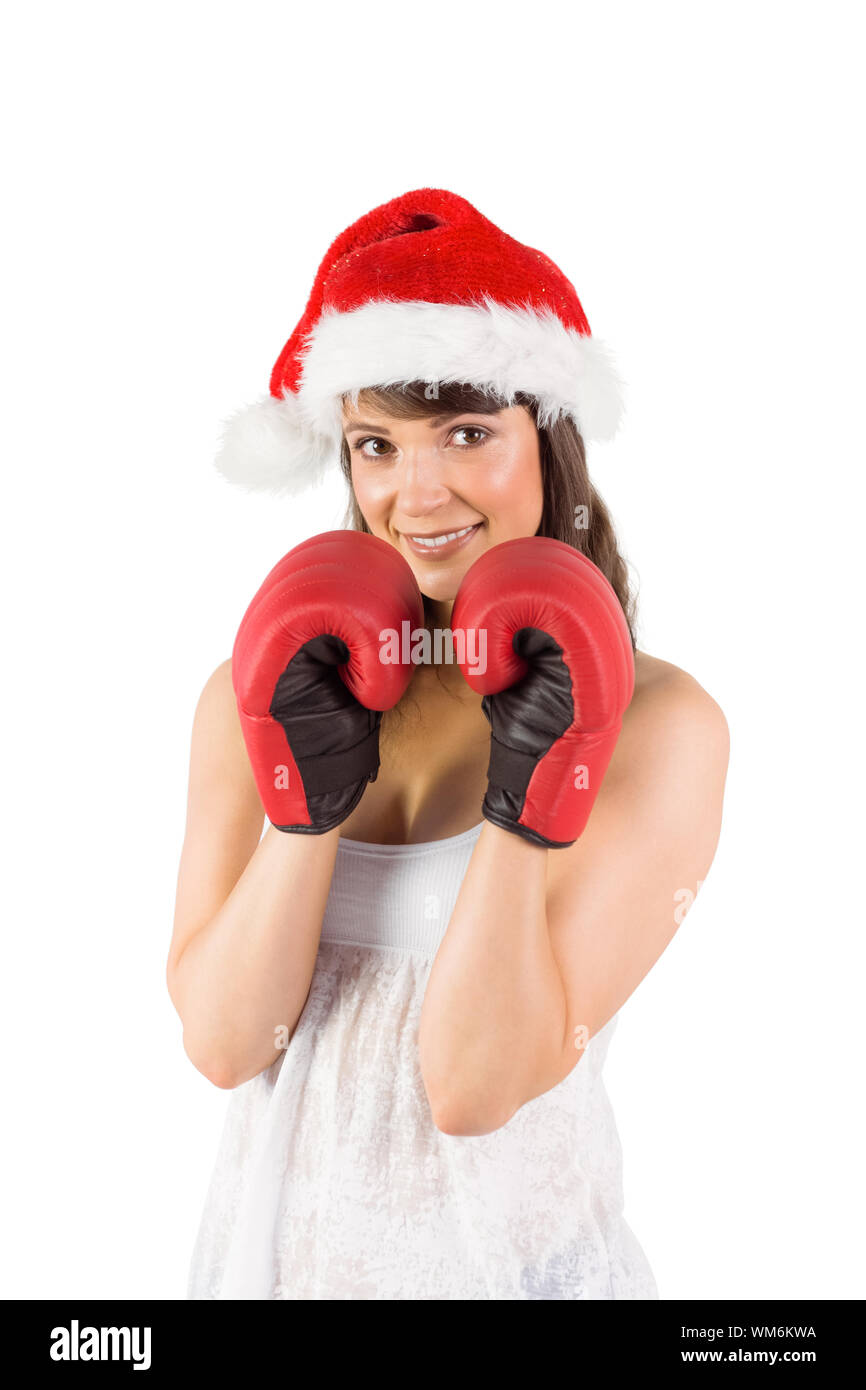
(432, 420)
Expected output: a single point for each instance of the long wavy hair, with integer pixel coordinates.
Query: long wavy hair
(573, 511)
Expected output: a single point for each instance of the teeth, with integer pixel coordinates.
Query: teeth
(432, 541)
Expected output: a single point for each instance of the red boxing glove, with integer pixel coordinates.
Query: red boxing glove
(309, 677)
(559, 675)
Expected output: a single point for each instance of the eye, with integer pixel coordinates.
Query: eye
(360, 446)
(369, 447)
(472, 429)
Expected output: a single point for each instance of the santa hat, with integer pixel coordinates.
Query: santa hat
(423, 288)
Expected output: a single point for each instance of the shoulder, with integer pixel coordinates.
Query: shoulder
(657, 817)
(672, 754)
(671, 710)
(218, 692)
(218, 750)
(216, 716)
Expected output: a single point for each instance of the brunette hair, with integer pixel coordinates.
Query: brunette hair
(567, 489)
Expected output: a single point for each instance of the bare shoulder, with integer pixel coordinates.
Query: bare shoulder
(219, 755)
(217, 701)
(658, 813)
(665, 695)
(673, 721)
(224, 813)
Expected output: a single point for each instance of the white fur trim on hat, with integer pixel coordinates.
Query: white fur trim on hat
(283, 446)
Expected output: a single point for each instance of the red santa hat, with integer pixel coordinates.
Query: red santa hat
(423, 288)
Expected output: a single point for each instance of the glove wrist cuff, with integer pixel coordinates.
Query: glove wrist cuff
(510, 769)
(334, 772)
(525, 832)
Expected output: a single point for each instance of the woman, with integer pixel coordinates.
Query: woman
(410, 982)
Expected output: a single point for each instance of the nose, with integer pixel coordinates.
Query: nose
(420, 487)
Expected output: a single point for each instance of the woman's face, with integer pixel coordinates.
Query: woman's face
(442, 491)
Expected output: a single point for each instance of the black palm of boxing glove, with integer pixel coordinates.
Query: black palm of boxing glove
(558, 676)
(310, 679)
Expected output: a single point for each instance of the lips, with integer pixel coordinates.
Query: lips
(443, 538)
(434, 547)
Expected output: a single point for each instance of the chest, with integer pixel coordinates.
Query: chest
(432, 775)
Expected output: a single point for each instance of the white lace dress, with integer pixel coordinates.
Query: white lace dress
(331, 1180)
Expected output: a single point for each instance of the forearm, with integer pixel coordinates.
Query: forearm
(241, 982)
(494, 1014)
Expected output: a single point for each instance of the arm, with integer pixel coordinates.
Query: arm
(289, 728)
(248, 913)
(545, 942)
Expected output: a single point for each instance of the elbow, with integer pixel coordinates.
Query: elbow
(223, 1080)
(215, 1066)
(225, 1070)
(215, 1069)
(464, 1119)
(468, 1115)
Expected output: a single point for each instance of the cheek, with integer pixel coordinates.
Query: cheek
(371, 492)
(511, 494)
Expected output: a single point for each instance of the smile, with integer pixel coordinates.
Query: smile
(446, 541)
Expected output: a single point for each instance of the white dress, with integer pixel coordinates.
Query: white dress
(331, 1180)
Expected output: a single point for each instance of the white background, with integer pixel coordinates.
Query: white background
(173, 176)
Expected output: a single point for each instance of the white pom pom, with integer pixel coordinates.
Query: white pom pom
(269, 447)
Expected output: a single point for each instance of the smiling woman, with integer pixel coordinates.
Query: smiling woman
(562, 503)
(411, 979)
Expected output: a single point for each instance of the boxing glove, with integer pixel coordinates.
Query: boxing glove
(558, 676)
(308, 676)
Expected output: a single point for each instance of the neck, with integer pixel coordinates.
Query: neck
(444, 673)
(438, 612)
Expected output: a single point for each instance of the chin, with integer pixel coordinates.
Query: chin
(439, 580)
(438, 592)
(441, 584)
